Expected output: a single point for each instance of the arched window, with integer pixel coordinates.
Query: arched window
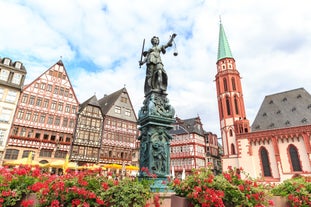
(225, 85)
(294, 158)
(265, 162)
(230, 133)
(228, 106)
(221, 110)
(233, 149)
(236, 105)
(233, 83)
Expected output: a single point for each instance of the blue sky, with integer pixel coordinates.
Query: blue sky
(100, 43)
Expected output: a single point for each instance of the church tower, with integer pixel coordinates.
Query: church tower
(232, 114)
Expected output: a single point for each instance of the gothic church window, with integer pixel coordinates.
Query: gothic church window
(233, 149)
(265, 162)
(236, 105)
(225, 84)
(228, 106)
(233, 84)
(294, 158)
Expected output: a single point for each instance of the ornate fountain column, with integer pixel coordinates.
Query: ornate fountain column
(155, 118)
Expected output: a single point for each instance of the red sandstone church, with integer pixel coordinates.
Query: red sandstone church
(277, 145)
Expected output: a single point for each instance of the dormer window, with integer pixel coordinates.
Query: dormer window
(6, 61)
(264, 114)
(271, 125)
(299, 96)
(287, 122)
(278, 112)
(293, 109)
(18, 65)
(271, 102)
(284, 99)
(304, 120)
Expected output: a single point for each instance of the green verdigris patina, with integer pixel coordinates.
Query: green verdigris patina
(155, 118)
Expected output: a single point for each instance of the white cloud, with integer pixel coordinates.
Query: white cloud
(100, 43)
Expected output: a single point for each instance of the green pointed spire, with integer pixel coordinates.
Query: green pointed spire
(223, 45)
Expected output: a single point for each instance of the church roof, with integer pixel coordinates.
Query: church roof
(282, 110)
(223, 45)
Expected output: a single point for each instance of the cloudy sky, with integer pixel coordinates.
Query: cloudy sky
(100, 42)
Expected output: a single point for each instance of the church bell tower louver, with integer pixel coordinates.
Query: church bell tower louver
(231, 107)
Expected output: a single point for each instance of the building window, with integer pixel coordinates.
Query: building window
(117, 109)
(294, 157)
(228, 106)
(17, 78)
(26, 153)
(46, 103)
(28, 115)
(5, 115)
(236, 105)
(38, 102)
(42, 118)
(49, 88)
(265, 162)
(225, 84)
(31, 100)
(60, 106)
(50, 120)
(74, 109)
(67, 108)
(24, 98)
(11, 96)
(233, 84)
(42, 86)
(45, 153)
(56, 90)
(127, 112)
(57, 121)
(53, 105)
(65, 122)
(4, 74)
(2, 133)
(233, 149)
(60, 154)
(124, 99)
(11, 154)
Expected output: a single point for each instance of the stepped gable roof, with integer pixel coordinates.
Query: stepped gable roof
(91, 101)
(282, 110)
(107, 101)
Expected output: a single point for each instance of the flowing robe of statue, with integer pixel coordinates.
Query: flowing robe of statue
(156, 77)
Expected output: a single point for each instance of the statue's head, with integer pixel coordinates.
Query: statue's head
(155, 40)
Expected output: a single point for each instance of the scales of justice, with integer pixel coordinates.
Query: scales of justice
(155, 116)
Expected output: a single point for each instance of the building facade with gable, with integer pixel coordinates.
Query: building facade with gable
(119, 141)
(192, 147)
(12, 77)
(86, 144)
(277, 146)
(45, 118)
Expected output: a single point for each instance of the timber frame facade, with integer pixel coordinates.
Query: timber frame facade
(45, 118)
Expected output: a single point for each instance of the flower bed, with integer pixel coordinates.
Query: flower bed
(87, 188)
(203, 188)
(92, 188)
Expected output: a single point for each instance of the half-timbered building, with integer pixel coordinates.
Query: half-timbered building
(87, 140)
(192, 147)
(45, 118)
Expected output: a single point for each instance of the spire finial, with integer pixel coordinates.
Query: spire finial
(219, 19)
